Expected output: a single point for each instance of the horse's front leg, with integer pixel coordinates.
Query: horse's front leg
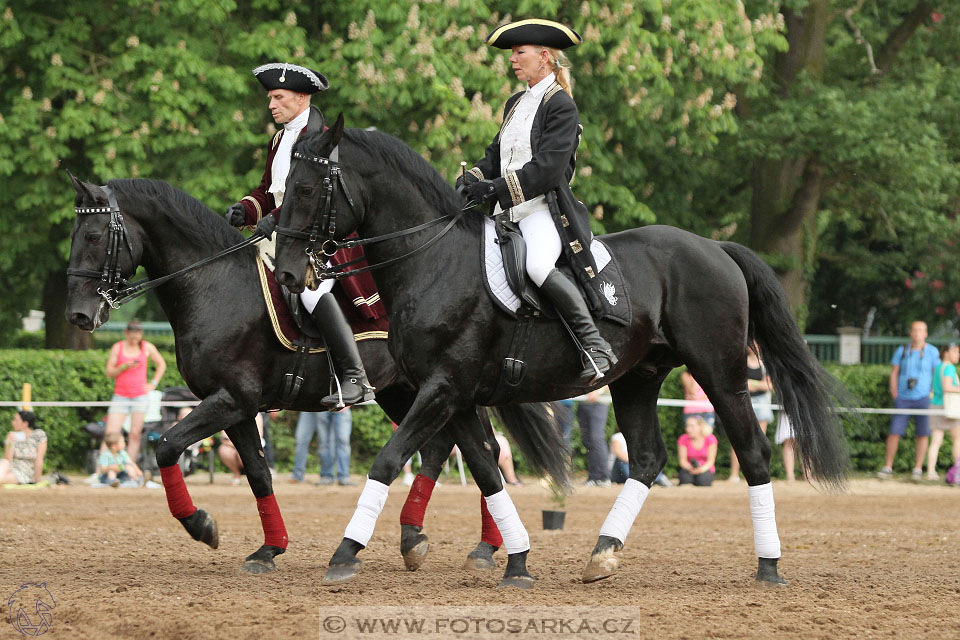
(431, 409)
(204, 421)
(635, 403)
(246, 438)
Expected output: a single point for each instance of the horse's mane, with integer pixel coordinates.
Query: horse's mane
(404, 161)
(180, 208)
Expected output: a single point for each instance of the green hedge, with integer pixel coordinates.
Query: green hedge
(79, 375)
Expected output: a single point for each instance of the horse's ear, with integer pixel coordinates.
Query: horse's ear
(337, 130)
(85, 191)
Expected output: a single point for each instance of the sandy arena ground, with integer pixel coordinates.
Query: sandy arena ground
(880, 561)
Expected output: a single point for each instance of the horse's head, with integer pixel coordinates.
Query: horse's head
(103, 255)
(317, 206)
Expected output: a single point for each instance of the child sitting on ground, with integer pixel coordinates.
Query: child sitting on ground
(115, 464)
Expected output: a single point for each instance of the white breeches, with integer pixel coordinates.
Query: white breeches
(543, 244)
(310, 298)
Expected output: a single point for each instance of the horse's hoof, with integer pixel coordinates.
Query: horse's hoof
(258, 565)
(481, 558)
(601, 565)
(414, 557)
(201, 526)
(520, 582)
(479, 564)
(340, 573)
(767, 573)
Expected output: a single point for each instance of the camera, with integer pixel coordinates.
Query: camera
(911, 383)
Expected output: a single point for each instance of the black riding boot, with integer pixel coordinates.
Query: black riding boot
(570, 305)
(344, 354)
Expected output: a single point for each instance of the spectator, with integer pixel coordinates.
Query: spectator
(697, 402)
(945, 381)
(505, 461)
(332, 429)
(116, 467)
(785, 437)
(127, 364)
(592, 416)
(759, 386)
(564, 415)
(620, 462)
(911, 381)
(696, 453)
(231, 457)
(23, 451)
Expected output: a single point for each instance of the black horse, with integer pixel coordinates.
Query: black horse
(229, 357)
(695, 302)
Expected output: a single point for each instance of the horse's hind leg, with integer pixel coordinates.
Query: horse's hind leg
(635, 404)
(246, 439)
(474, 436)
(753, 450)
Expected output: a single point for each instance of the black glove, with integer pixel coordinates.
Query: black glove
(480, 191)
(236, 215)
(465, 180)
(266, 225)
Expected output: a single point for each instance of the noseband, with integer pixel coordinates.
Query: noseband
(325, 222)
(111, 280)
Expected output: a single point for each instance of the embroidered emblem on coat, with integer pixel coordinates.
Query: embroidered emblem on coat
(609, 292)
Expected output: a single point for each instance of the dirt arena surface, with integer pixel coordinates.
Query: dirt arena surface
(877, 562)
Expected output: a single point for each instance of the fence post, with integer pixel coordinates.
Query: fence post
(849, 344)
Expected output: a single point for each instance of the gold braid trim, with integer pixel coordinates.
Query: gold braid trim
(513, 184)
(275, 323)
(255, 204)
(509, 115)
(552, 91)
(475, 171)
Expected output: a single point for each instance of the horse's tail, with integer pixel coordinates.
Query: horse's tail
(534, 427)
(808, 394)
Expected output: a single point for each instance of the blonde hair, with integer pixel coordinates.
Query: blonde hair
(705, 427)
(112, 439)
(561, 67)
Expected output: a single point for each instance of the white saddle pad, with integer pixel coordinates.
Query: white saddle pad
(497, 278)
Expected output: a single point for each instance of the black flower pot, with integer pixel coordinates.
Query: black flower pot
(553, 519)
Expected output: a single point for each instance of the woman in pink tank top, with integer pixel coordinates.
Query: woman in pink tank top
(127, 365)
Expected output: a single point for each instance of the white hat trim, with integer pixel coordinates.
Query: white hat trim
(311, 76)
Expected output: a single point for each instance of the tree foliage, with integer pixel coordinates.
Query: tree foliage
(677, 98)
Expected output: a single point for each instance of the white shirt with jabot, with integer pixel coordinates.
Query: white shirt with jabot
(515, 149)
(281, 161)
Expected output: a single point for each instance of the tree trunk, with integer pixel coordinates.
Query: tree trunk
(60, 334)
(786, 192)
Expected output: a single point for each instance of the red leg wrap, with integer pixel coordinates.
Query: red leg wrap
(415, 507)
(274, 533)
(181, 506)
(489, 532)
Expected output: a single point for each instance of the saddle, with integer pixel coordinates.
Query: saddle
(504, 258)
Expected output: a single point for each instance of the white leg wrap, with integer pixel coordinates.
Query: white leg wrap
(501, 507)
(765, 538)
(369, 506)
(625, 510)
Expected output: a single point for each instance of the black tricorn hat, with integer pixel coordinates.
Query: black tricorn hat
(283, 75)
(545, 33)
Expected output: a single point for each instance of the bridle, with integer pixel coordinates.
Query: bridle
(323, 226)
(114, 288)
(111, 279)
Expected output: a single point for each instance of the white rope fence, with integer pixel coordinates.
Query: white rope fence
(603, 399)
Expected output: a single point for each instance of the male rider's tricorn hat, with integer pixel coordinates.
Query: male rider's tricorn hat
(544, 33)
(283, 75)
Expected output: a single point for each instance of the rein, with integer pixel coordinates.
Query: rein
(325, 218)
(114, 288)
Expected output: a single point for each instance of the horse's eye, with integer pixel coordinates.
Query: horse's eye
(92, 237)
(304, 190)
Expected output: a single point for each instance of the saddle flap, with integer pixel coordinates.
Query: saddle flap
(514, 251)
(302, 319)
